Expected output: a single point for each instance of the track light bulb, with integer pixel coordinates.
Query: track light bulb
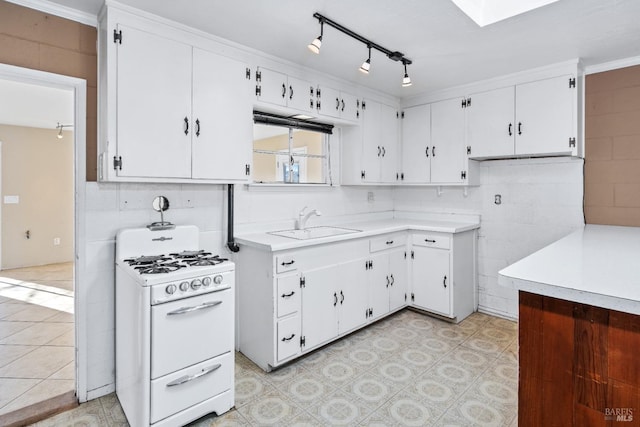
(406, 80)
(60, 134)
(366, 65)
(316, 44)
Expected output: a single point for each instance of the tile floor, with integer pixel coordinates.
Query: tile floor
(406, 370)
(36, 335)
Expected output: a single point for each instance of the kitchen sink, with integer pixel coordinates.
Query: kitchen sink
(314, 232)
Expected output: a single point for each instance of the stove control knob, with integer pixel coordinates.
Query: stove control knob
(184, 286)
(195, 284)
(206, 281)
(171, 289)
(217, 279)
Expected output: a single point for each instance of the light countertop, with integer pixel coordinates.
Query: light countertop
(598, 265)
(263, 240)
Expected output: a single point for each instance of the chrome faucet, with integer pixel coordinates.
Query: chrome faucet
(303, 217)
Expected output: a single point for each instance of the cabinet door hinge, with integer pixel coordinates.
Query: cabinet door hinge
(405, 297)
(405, 254)
(302, 341)
(468, 149)
(463, 103)
(318, 105)
(463, 175)
(468, 102)
(258, 90)
(572, 142)
(247, 170)
(362, 174)
(364, 105)
(117, 162)
(413, 297)
(303, 282)
(397, 114)
(402, 115)
(258, 76)
(117, 36)
(247, 73)
(401, 176)
(413, 255)
(572, 82)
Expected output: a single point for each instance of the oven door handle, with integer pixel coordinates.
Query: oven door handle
(188, 378)
(184, 310)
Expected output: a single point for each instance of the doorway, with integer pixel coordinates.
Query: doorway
(41, 168)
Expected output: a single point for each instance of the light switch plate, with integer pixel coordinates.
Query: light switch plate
(11, 200)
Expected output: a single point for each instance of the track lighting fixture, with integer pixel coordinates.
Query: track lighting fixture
(406, 80)
(60, 127)
(314, 47)
(366, 64)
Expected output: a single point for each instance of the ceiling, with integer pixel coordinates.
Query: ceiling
(447, 48)
(30, 105)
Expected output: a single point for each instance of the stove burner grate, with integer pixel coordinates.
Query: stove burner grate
(159, 268)
(205, 260)
(147, 260)
(191, 254)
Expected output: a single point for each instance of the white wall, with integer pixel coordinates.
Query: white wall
(111, 207)
(541, 202)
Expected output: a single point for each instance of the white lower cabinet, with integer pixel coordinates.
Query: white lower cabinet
(443, 273)
(291, 302)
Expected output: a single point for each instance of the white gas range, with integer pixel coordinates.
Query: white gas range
(174, 327)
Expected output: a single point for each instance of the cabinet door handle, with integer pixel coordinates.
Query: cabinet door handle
(285, 263)
(290, 92)
(444, 281)
(427, 151)
(429, 240)
(433, 151)
(335, 299)
(197, 127)
(186, 126)
(383, 151)
(185, 310)
(342, 105)
(284, 90)
(519, 128)
(290, 294)
(379, 151)
(341, 297)
(337, 104)
(389, 242)
(187, 378)
(288, 339)
(388, 281)
(392, 280)
(510, 133)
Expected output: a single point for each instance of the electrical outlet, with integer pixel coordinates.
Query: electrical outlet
(56, 241)
(370, 197)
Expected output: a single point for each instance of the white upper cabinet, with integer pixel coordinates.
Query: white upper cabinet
(490, 123)
(379, 143)
(170, 111)
(338, 104)
(448, 153)
(153, 111)
(416, 145)
(529, 119)
(221, 138)
(545, 117)
(277, 88)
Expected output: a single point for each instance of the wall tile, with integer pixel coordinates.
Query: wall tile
(609, 215)
(627, 147)
(599, 194)
(599, 148)
(70, 63)
(599, 103)
(627, 99)
(627, 195)
(614, 79)
(19, 52)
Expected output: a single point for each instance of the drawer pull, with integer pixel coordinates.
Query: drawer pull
(184, 310)
(288, 263)
(429, 240)
(290, 294)
(288, 339)
(188, 378)
(389, 242)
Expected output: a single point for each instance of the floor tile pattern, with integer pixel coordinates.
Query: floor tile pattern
(406, 370)
(36, 335)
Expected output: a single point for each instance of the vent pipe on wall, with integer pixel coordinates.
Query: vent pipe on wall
(231, 244)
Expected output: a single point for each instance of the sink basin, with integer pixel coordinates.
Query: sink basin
(314, 232)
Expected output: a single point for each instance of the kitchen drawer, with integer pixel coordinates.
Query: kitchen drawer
(288, 294)
(432, 241)
(187, 387)
(387, 242)
(285, 263)
(288, 337)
